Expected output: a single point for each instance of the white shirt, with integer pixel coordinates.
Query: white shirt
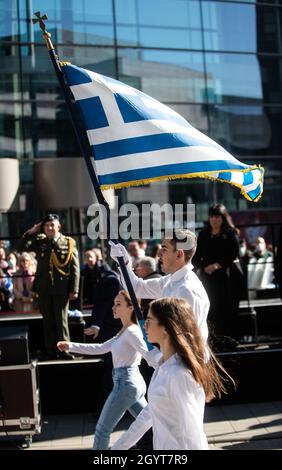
(175, 410)
(127, 349)
(184, 283)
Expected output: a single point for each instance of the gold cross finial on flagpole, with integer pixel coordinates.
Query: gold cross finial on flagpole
(46, 35)
(40, 19)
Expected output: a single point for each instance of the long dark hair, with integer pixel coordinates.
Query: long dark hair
(177, 317)
(227, 223)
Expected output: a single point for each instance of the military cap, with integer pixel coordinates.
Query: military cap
(50, 218)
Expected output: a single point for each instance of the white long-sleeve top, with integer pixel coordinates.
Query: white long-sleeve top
(127, 349)
(184, 283)
(175, 410)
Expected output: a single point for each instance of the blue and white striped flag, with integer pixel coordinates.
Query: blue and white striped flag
(135, 139)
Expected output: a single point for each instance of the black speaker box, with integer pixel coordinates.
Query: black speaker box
(14, 348)
(20, 406)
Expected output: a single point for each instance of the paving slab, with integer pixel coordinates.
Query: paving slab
(251, 426)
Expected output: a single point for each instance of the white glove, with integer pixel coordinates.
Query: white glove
(117, 251)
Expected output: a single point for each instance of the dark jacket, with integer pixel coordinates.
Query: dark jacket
(100, 286)
(224, 285)
(222, 249)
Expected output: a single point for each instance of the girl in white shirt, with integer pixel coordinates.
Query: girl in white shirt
(129, 388)
(183, 380)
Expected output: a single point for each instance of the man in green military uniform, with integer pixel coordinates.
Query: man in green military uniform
(56, 280)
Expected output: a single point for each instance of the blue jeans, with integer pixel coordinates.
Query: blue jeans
(128, 393)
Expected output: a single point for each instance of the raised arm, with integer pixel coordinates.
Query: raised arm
(145, 289)
(86, 348)
(31, 238)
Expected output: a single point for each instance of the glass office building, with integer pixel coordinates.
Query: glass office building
(217, 63)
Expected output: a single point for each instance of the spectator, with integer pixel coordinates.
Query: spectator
(146, 269)
(143, 246)
(100, 260)
(12, 260)
(244, 256)
(98, 253)
(24, 296)
(218, 265)
(3, 262)
(155, 253)
(135, 252)
(100, 285)
(12, 267)
(5, 293)
(260, 250)
(260, 268)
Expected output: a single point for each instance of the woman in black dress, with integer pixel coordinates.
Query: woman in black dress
(218, 266)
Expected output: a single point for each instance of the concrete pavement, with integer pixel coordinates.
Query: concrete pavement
(252, 426)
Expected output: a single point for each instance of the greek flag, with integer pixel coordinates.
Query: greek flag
(135, 139)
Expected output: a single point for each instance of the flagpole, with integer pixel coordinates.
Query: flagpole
(84, 147)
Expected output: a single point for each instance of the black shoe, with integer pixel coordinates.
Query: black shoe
(65, 356)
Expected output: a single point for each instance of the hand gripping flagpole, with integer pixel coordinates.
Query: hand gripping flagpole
(84, 148)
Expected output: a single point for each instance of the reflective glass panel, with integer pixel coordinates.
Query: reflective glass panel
(10, 86)
(161, 23)
(47, 124)
(165, 75)
(48, 130)
(39, 79)
(272, 195)
(248, 129)
(77, 21)
(271, 73)
(8, 20)
(12, 142)
(233, 78)
(100, 60)
(190, 191)
(269, 32)
(38, 75)
(235, 1)
(229, 27)
(272, 186)
(244, 212)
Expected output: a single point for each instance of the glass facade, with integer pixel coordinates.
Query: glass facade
(217, 63)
